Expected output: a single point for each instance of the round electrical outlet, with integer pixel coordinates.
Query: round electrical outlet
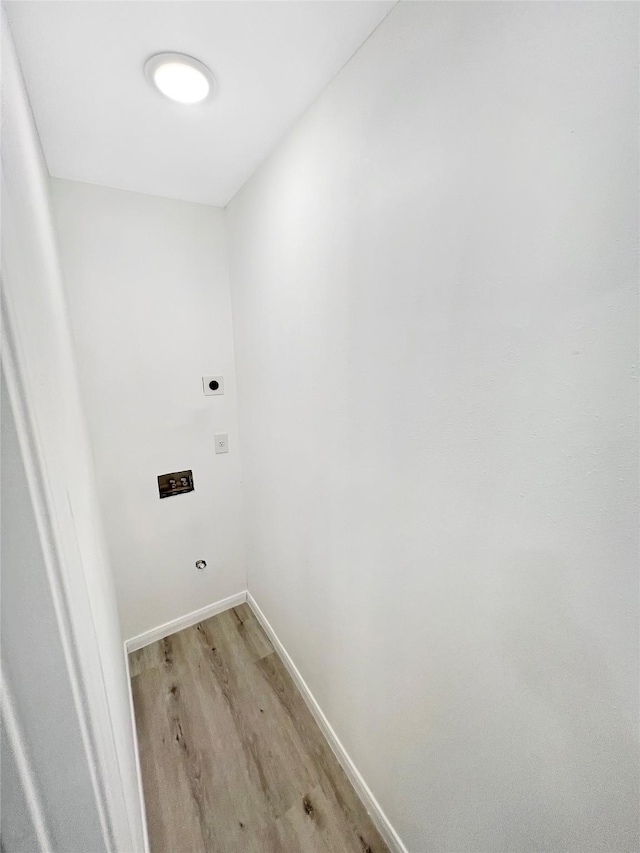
(201, 564)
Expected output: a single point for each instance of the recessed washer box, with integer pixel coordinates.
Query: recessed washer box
(177, 483)
(212, 385)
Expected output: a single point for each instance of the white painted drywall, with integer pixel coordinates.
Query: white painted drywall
(434, 290)
(148, 292)
(19, 830)
(34, 665)
(61, 647)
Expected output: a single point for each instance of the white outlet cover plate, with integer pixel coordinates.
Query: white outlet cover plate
(209, 392)
(222, 442)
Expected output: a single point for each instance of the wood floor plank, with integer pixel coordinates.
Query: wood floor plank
(359, 833)
(277, 759)
(172, 815)
(234, 780)
(231, 757)
(143, 659)
(250, 632)
(311, 825)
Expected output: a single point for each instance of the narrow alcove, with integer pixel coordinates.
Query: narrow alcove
(363, 304)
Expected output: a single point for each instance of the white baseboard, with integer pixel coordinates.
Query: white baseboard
(372, 806)
(143, 808)
(181, 622)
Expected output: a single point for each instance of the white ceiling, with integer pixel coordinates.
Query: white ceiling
(101, 122)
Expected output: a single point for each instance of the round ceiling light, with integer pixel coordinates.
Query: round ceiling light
(181, 78)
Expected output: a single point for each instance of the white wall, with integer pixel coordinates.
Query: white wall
(148, 291)
(18, 831)
(434, 292)
(61, 647)
(33, 663)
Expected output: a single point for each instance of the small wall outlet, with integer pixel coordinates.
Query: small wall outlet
(212, 385)
(222, 442)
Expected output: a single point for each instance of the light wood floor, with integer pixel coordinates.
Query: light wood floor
(232, 759)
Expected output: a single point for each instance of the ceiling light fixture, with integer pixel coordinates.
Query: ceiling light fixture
(179, 77)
